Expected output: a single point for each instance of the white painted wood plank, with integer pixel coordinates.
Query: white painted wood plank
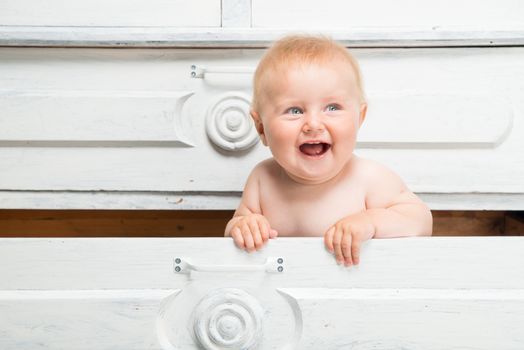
(329, 319)
(80, 319)
(124, 294)
(96, 117)
(184, 169)
(377, 13)
(410, 319)
(114, 319)
(385, 36)
(204, 13)
(418, 121)
(221, 200)
(147, 263)
(236, 13)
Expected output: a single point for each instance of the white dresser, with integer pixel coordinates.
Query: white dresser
(144, 105)
(119, 105)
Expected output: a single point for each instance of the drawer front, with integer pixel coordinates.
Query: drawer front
(343, 14)
(176, 120)
(111, 13)
(206, 294)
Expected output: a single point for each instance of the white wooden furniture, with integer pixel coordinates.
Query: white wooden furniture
(124, 105)
(143, 105)
(412, 293)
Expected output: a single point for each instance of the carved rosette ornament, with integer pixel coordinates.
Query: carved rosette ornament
(228, 123)
(228, 318)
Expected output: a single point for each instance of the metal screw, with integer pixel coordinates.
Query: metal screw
(280, 260)
(280, 269)
(193, 67)
(177, 269)
(193, 74)
(177, 260)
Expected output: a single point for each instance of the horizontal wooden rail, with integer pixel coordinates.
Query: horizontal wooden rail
(422, 36)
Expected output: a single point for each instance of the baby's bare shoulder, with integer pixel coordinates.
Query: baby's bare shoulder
(267, 168)
(377, 178)
(371, 170)
(251, 194)
(383, 186)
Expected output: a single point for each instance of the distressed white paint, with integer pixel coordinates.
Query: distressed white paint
(413, 319)
(98, 117)
(307, 14)
(167, 169)
(409, 36)
(236, 13)
(417, 121)
(221, 200)
(194, 13)
(123, 294)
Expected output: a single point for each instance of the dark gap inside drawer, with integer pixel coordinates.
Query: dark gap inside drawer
(211, 223)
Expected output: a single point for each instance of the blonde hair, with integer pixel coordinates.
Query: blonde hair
(301, 49)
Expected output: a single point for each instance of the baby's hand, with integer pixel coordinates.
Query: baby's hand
(344, 238)
(251, 232)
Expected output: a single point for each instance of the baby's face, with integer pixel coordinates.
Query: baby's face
(309, 118)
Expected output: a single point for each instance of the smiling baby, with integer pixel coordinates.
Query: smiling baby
(308, 105)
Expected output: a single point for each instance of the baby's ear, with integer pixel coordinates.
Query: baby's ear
(362, 115)
(259, 126)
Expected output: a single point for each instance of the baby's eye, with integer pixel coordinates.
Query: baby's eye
(332, 107)
(294, 110)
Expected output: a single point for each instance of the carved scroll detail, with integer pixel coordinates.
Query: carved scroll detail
(228, 123)
(228, 318)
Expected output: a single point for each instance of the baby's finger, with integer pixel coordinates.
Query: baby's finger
(346, 247)
(355, 251)
(328, 239)
(270, 232)
(337, 245)
(236, 234)
(255, 233)
(249, 244)
(263, 225)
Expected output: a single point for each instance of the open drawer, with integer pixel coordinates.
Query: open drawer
(175, 293)
(91, 128)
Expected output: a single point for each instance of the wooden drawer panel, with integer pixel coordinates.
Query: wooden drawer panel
(112, 13)
(135, 121)
(127, 294)
(378, 13)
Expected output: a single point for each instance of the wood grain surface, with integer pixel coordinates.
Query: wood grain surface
(210, 223)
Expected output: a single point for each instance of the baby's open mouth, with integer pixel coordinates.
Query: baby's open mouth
(314, 149)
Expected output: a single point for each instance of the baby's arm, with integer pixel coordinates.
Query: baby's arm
(249, 228)
(392, 210)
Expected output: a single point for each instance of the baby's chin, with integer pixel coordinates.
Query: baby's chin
(319, 171)
(312, 177)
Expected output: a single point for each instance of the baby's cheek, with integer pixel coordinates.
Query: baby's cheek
(347, 132)
(280, 137)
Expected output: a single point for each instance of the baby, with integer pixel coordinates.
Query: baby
(308, 105)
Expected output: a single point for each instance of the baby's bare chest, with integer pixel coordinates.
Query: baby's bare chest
(306, 212)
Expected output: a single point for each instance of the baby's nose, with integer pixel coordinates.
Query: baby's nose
(313, 123)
